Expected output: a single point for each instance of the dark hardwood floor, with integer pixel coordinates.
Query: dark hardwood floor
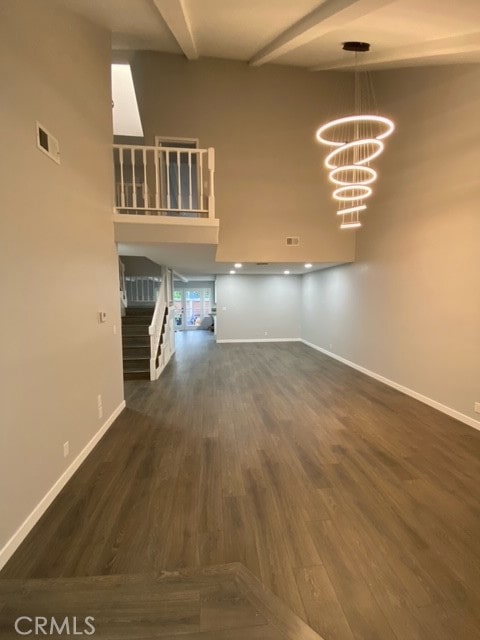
(356, 505)
(225, 602)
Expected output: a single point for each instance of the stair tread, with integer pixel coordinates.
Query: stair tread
(136, 351)
(136, 346)
(136, 324)
(136, 335)
(136, 375)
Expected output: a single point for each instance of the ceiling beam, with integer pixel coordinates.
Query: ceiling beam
(175, 15)
(331, 14)
(430, 51)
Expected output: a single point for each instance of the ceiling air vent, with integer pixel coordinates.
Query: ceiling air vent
(292, 241)
(262, 264)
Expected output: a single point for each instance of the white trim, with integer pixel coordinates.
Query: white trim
(127, 218)
(175, 15)
(21, 533)
(262, 340)
(159, 370)
(178, 276)
(453, 413)
(160, 139)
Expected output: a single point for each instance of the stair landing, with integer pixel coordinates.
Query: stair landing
(224, 602)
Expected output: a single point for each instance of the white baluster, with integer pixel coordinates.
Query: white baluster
(134, 180)
(157, 159)
(146, 199)
(211, 187)
(179, 196)
(122, 181)
(200, 173)
(190, 206)
(167, 155)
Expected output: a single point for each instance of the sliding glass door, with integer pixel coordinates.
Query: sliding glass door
(192, 305)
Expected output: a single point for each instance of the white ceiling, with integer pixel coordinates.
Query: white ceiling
(194, 261)
(305, 33)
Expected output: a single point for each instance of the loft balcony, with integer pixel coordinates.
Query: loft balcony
(164, 194)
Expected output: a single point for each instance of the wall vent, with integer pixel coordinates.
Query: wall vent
(292, 241)
(262, 264)
(48, 143)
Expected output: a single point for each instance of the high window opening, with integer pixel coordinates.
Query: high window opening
(126, 116)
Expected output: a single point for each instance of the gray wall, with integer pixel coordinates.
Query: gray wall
(258, 307)
(58, 259)
(140, 266)
(261, 121)
(409, 308)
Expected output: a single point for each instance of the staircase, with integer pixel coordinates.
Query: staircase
(136, 343)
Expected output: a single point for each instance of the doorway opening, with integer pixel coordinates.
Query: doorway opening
(194, 306)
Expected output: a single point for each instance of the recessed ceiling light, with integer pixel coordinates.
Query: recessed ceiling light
(232, 271)
(286, 272)
(238, 265)
(308, 265)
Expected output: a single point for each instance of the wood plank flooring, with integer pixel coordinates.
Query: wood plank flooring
(217, 603)
(355, 504)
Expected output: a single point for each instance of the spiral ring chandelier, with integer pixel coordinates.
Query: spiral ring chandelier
(356, 140)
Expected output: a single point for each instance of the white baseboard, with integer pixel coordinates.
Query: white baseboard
(11, 546)
(453, 413)
(262, 340)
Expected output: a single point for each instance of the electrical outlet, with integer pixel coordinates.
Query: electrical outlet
(66, 449)
(114, 329)
(477, 407)
(99, 401)
(266, 333)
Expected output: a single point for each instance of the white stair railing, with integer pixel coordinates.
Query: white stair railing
(167, 181)
(142, 290)
(123, 286)
(157, 325)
